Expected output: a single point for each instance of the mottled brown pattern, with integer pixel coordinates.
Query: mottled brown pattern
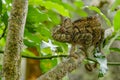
(85, 32)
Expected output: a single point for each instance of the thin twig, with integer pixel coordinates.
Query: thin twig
(45, 57)
(58, 56)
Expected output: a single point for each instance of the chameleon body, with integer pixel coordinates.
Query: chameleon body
(85, 32)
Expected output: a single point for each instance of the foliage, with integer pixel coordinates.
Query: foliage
(42, 16)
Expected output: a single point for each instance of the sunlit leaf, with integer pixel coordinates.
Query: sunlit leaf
(99, 12)
(27, 53)
(57, 7)
(68, 6)
(46, 51)
(8, 1)
(116, 20)
(2, 42)
(35, 15)
(51, 6)
(55, 19)
(79, 3)
(118, 38)
(47, 64)
(81, 13)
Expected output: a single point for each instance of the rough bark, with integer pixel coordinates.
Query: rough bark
(64, 67)
(14, 42)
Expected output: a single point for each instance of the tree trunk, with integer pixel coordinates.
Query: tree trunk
(14, 41)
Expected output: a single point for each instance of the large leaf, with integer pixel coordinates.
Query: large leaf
(35, 15)
(51, 6)
(55, 19)
(116, 20)
(31, 39)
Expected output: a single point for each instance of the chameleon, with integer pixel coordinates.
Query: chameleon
(84, 32)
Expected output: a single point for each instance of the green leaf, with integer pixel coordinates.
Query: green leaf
(35, 2)
(31, 39)
(35, 15)
(47, 64)
(63, 47)
(46, 51)
(0, 7)
(5, 18)
(55, 7)
(115, 49)
(79, 3)
(55, 19)
(43, 30)
(8, 1)
(68, 6)
(27, 53)
(116, 20)
(82, 13)
(99, 12)
(51, 6)
(2, 42)
(118, 38)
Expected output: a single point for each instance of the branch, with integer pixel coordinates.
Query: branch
(3, 32)
(58, 72)
(14, 40)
